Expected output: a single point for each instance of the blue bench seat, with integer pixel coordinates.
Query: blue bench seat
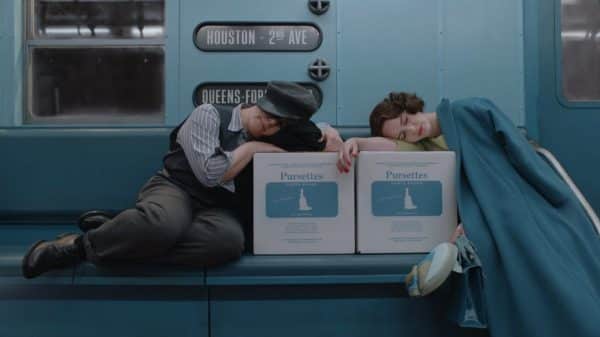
(249, 270)
(313, 269)
(53, 174)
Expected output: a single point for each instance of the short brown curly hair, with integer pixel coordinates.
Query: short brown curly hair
(393, 106)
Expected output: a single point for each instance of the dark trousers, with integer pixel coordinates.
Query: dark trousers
(167, 226)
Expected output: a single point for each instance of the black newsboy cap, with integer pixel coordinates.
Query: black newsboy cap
(288, 100)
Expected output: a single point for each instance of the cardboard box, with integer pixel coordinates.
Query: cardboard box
(302, 204)
(406, 201)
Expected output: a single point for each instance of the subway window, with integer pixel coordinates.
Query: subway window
(580, 36)
(95, 61)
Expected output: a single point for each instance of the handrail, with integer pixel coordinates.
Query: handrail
(563, 174)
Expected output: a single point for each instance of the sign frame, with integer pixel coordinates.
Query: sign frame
(319, 96)
(256, 23)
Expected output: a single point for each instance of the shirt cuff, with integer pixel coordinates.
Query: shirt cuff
(228, 185)
(323, 126)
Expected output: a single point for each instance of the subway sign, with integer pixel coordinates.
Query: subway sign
(242, 37)
(237, 93)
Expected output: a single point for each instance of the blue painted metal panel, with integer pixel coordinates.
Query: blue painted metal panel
(390, 45)
(3, 16)
(6, 62)
(434, 48)
(531, 55)
(172, 40)
(139, 274)
(313, 269)
(483, 53)
(339, 310)
(103, 311)
(197, 66)
(21, 235)
(65, 171)
(570, 132)
(3, 59)
(13, 115)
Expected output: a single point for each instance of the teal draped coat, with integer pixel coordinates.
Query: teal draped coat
(540, 252)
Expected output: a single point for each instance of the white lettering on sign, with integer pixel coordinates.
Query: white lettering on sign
(252, 95)
(221, 96)
(297, 37)
(231, 95)
(276, 35)
(233, 37)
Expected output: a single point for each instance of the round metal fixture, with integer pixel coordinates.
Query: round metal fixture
(319, 70)
(318, 7)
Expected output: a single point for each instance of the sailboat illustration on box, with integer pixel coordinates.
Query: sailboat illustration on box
(408, 202)
(302, 202)
(314, 200)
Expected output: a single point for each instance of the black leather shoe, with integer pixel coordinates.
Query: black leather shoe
(46, 255)
(92, 220)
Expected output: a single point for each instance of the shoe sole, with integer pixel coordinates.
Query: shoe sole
(441, 263)
(446, 267)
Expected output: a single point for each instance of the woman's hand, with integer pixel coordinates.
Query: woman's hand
(457, 232)
(352, 146)
(333, 141)
(348, 151)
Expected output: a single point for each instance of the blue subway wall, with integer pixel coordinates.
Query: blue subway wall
(570, 131)
(435, 48)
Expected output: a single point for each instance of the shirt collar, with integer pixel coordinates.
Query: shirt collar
(236, 119)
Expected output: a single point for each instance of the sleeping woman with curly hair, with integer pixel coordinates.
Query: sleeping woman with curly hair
(539, 251)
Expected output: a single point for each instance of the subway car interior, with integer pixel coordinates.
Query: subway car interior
(90, 91)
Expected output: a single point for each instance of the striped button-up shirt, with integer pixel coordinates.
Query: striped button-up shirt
(199, 139)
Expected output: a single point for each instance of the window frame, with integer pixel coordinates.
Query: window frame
(558, 51)
(30, 42)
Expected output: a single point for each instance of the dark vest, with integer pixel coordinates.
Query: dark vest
(178, 169)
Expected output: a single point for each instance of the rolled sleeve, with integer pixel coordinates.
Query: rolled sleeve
(199, 139)
(323, 126)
